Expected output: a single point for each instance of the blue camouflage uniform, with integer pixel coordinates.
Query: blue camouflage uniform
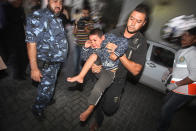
(46, 30)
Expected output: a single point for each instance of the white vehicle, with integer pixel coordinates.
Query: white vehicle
(159, 59)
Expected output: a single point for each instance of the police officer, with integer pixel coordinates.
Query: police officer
(47, 48)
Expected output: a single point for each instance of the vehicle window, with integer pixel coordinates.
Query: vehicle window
(162, 56)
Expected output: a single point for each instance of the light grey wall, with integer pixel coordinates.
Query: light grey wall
(128, 6)
(160, 14)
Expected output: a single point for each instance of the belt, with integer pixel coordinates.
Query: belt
(46, 64)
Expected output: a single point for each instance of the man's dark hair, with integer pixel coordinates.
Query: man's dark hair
(97, 32)
(143, 8)
(192, 31)
(62, 1)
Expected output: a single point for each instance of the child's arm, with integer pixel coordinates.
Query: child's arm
(86, 51)
(122, 46)
(117, 46)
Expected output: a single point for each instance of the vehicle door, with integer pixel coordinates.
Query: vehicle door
(159, 59)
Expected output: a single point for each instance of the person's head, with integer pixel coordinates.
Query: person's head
(55, 6)
(189, 37)
(85, 12)
(137, 18)
(96, 38)
(66, 11)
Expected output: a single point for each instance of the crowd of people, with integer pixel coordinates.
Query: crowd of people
(45, 37)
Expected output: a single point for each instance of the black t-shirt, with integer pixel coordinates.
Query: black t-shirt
(136, 52)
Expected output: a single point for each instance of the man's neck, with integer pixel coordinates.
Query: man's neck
(128, 35)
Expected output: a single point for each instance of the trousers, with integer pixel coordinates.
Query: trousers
(110, 101)
(46, 87)
(173, 102)
(104, 81)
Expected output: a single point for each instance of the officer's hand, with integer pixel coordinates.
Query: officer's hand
(113, 56)
(172, 86)
(111, 47)
(96, 68)
(36, 75)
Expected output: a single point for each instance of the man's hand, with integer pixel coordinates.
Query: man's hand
(96, 68)
(36, 75)
(113, 56)
(87, 44)
(111, 47)
(172, 86)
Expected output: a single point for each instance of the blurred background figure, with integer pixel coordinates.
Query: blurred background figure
(174, 28)
(76, 15)
(36, 4)
(65, 15)
(69, 27)
(82, 28)
(13, 39)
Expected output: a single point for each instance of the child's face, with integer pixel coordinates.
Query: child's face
(96, 41)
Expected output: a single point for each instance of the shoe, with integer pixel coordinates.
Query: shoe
(94, 126)
(51, 102)
(78, 86)
(38, 115)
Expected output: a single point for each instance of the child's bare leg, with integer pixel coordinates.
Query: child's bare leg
(88, 64)
(84, 115)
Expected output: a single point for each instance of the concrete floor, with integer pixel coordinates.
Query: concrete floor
(139, 109)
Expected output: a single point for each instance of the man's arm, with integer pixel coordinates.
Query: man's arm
(131, 66)
(32, 54)
(185, 81)
(182, 82)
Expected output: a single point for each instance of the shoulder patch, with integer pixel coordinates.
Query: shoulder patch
(182, 59)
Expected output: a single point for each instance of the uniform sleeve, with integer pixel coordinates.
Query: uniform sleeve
(122, 47)
(85, 53)
(192, 65)
(33, 27)
(122, 44)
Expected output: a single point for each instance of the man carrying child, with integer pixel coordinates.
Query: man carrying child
(95, 49)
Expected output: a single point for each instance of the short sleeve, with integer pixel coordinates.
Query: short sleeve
(191, 65)
(33, 27)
